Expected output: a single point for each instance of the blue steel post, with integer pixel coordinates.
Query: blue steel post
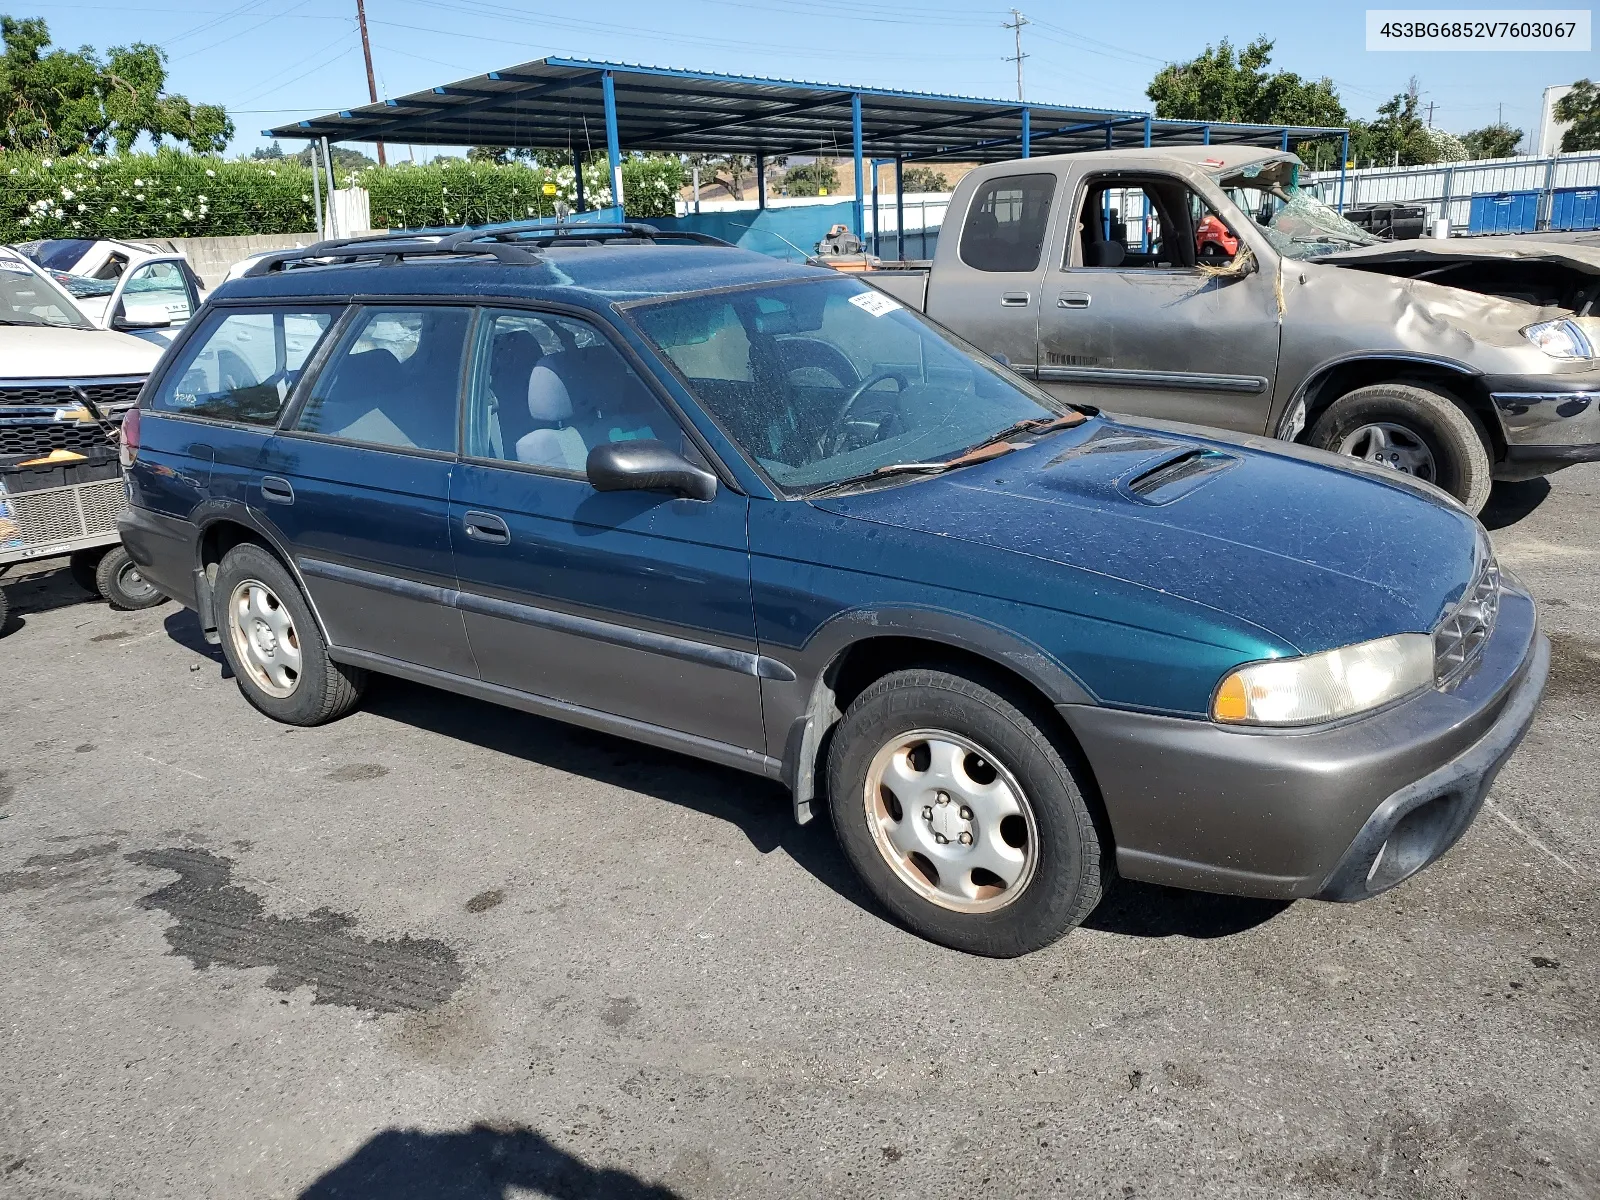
(1027, 132)
(761, 180)
(613, 150)
(1344, 159)
(1285, 139)
(899, 209)
(1110, 132)
(874, 206)
(577, 175)
(1147, 132)
(855, 138)
(1207, 142)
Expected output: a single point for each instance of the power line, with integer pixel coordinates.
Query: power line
(1015, 25)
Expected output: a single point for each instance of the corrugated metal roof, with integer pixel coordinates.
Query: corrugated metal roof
(558, 103)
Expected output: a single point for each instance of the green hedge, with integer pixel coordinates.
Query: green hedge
(166, 194)
(172, 194)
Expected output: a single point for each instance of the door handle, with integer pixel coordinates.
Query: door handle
(1073, 300)
(278, 491)
(1014, 300)
(486, 527)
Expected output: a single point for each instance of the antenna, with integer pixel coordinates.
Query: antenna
(1015, 25)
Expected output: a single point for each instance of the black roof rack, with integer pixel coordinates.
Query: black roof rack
(515, 244)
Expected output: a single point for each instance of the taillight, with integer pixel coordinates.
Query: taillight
(129, 450)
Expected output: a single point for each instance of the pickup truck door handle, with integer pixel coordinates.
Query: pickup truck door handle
(278, 491)
(1015, 299)
(1073, 300)
(486, 527)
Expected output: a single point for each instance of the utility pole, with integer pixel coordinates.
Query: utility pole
(1015, 25)
(1430, 114)
(372, 83)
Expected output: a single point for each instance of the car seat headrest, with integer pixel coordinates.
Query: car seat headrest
(548, 399)
(1103, 254)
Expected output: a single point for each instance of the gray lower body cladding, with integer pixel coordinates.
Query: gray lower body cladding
(1288, 814)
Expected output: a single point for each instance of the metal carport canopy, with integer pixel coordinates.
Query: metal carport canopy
(561, 103)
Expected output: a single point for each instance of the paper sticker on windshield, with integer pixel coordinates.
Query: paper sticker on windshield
(11, 264)
(875, 303)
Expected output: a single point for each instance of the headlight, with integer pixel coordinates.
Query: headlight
(1324, 687)
(1568, 337)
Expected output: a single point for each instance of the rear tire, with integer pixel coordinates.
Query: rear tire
(273, 645)
(1414, 430)
(83, 565)
(5, 612)
(118, 579)
(931, 775)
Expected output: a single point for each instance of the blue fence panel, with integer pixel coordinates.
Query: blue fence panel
(1503, 212)
(1575, 208)
(788, 233)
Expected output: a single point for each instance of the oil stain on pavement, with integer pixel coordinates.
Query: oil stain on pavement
(218, 922)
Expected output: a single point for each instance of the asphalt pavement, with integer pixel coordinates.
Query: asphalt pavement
(444, 950)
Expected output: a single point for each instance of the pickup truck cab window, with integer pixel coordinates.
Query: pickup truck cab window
(393, 381)
(549, 389)
(1159, 223)
(1007, 223)
(242, 364)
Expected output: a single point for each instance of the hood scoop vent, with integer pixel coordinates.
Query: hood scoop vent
(1177, 476)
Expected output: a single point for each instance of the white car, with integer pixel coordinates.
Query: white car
(132, 287)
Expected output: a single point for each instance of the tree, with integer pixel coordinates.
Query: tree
(1399, 134)
(923, 179)
(1581, 107)
(490, 154)
(727, 169)
(70, 102)
(809, 179)
(1222, 85)
(1492, 141)
(273, 151)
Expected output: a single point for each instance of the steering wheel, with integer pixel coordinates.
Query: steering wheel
(843, 415)
(800, 353)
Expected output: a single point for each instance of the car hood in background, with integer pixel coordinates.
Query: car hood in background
(1579, 251)
(1316, 555)
(48, 352)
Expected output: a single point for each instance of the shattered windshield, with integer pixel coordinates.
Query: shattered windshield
(1297, 221)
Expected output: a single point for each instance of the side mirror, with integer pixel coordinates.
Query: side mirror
(645, 465)
(153, 321)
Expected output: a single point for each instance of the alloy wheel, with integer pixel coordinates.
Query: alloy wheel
(264, 638)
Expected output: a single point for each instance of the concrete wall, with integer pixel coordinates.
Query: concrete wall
(212, 256)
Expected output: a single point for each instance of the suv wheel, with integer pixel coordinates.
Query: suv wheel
(962, 815)
(1412, 430)
(118, 579)
(273, 645)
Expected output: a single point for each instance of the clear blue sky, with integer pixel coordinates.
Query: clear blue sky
(272, 61)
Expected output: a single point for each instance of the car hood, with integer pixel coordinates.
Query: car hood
(1579, 251)
(47, 352)
(1317, 555)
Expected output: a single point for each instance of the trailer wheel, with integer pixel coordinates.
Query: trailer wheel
(85, 567)
(5, 612)
(118, 579)
(1415, 431)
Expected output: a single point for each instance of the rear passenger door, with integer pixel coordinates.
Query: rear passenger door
(988, 291)
(632, 604)
(358, 483)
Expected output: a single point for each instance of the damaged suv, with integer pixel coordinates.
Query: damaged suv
(1458, 361)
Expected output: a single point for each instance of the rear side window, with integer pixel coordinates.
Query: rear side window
(395, 380)
(1006, 225)
(242, 365)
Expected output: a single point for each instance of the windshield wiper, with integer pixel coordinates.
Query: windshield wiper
(1036, 425)
(990, 449)
(1332, 237)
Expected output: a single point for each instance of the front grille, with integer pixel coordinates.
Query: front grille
(106, 393)
(35, 439)
(1458, 640)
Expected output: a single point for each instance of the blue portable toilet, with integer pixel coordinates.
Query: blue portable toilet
(1575, 208)
(1503, 212)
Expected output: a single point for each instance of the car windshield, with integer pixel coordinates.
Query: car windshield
(27, 298)
(59, 254)
(1298, 222)
(825, 380)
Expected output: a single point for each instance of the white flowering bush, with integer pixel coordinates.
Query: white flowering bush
(166, 194)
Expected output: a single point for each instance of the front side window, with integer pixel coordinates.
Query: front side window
(546, 390)
(394, 380)
(1007, 223)
(243, 364)
(156, 292)
(826, 379)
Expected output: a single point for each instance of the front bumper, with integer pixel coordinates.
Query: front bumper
(1546, 428)
(1340, 813)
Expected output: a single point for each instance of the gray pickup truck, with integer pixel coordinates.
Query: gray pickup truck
(1204, 285)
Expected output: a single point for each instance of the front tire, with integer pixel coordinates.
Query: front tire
(273, 645)
(962, 815)
(1412, 430)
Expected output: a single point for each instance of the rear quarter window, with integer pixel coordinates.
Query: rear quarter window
(242, 364)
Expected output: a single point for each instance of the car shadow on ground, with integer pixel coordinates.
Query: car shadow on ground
(758, 807)
(1511, 502)
(480, 1163)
